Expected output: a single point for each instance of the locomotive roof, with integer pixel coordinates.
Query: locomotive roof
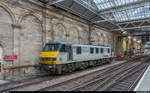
(69, 43)
(58, 41)
(148, 43)
(90, 45)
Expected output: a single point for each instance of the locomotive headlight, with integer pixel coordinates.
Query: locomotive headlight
(50, 66)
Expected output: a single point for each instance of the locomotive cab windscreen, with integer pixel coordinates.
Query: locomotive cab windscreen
(51, 47)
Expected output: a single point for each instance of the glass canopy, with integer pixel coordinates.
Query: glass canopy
(113, 15)
(121, 10)
(104, 4)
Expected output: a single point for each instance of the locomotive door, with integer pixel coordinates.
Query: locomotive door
(69, 50)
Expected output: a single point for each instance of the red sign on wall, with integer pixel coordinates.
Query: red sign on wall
(10, 58)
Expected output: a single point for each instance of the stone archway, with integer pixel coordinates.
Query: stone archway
(106, 39)
(103, 39)
(94, 38)
(110, 41)
(30, 40)
(99, 38)
(59, 32)
(84, 37)
(6, 30)
(73, 35)
(49, 30)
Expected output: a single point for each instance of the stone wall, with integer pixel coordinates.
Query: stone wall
(24, 29)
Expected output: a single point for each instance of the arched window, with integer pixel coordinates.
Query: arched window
(59, 32)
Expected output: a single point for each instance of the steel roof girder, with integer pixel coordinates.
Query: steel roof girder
(128, 28)
(123, 9)
(51, 2)
(77, 1)
(68, 9)
(121, 6)
(55, 1)
(134, 21)
(102, 21)
(86, 6)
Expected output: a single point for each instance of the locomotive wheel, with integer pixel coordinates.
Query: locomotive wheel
(95, 63)
(74, 67)
(65, 68)
(104, 61)
(110, 60)
(71, 67)
(100, 62)
(82, 66)
(59, 70)
(91, 63)
(86, 64)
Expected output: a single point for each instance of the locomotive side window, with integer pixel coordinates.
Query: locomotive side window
(63, 48)
(91, 50)
(78, 50)
(97, 50)
(102, 50)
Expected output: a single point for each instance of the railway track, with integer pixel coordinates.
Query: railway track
(125, 81)
(85, 84)
(20, 84)
(83, 79)
(97, 81)
(104, 80)
(32, 82)
(109, 80)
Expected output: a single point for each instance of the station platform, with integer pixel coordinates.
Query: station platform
(144, 83)
(3, 81)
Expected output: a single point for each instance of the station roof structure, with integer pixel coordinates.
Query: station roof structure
(114, 15)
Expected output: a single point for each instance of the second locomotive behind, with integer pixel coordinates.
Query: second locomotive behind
(58, 56)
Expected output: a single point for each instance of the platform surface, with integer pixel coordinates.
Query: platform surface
(144, 83)
(3, 82)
